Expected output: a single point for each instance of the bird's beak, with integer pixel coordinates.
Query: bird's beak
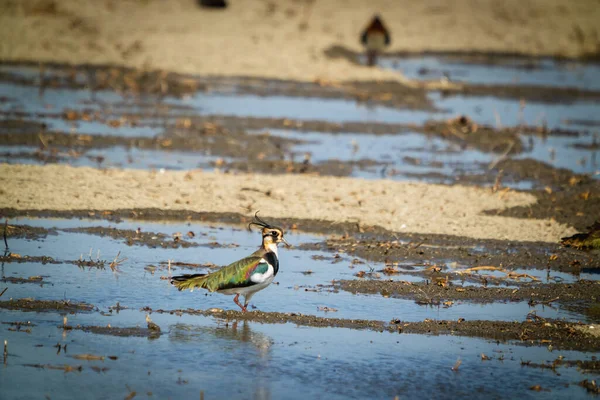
(286, 243)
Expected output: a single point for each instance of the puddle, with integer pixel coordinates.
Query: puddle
(304, 284)
(502, 112)
(565, 152)
(114, 157)
(544, 72)
(412, 273)
(107, 104)
(488, 110)
(332, 110)
(96, 127)
(268, 361)
(286, 358)
(407, 155)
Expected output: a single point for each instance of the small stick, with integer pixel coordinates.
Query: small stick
(1, 293)
(4, 235)
(42, 80)
(498, 181)
(542, 302)
(457, 364)
(416, 246)
(515, 275)
(42, 139)
(502, 156)
(116, 262)
(482, 268)
(498, 122)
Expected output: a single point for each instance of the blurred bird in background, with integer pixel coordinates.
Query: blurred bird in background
(375, 38)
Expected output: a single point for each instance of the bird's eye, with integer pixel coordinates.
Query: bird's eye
(274, 233)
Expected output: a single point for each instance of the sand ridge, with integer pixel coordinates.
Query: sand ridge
(397, 206)
(284, 39)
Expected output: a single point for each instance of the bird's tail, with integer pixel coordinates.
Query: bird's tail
(189, 281)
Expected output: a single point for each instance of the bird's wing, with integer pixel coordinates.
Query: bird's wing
(237, 274)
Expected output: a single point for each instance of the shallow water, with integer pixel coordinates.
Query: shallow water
(408, 154)
(492, 111)
(304, 284)
(545, 72)
(116, 157)
(198, 354)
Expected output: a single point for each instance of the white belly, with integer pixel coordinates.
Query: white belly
(245, 291)
(376, 41)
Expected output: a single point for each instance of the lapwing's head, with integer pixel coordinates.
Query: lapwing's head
(270, 233)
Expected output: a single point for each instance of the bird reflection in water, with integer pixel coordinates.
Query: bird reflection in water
(234, 333)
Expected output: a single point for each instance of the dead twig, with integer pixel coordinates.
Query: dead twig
(515, 275)
(508, 274)
(502, 156)
(4, 234)
(43, 140)
(456, 365)
(498, 181)
(417, 245)
(532, 315)
(482, 268)
(550, 301)
(116, 262)
(1, 293)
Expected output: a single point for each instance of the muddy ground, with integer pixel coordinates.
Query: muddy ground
(528, 332)
(536, 331)
(370, 243)
(563, 195)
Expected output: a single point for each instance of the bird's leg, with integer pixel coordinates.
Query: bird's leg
(236, 301)
(247, 299)
(371, 57)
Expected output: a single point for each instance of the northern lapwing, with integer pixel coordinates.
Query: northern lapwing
(246, 276)
(375, 38)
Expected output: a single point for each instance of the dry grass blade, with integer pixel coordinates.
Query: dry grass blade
(498, 181)
(482, 268)
(508, 274)
(88, 357)
(457, 364)
(516, 275)
(1, 293)
(116, 262)
(43, 140)
(502, 156)
(4, 234)
(132, 393)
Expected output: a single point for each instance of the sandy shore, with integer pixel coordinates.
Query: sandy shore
(397, 206)
(284, 39)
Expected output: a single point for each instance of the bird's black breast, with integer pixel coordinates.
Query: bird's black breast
(273, 260)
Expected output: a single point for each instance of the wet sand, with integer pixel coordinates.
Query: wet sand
(391, 205)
